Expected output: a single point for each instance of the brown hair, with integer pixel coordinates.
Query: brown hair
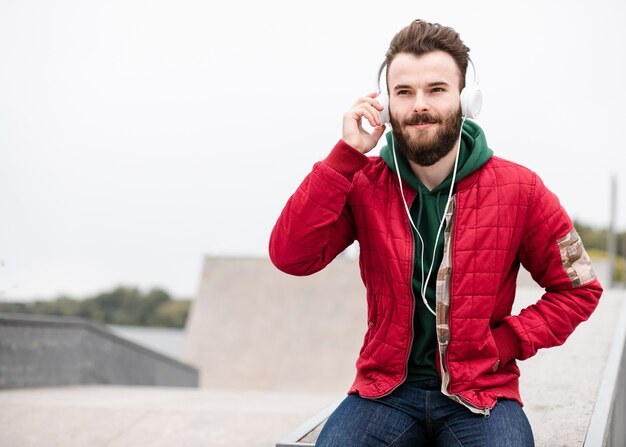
(421, 37)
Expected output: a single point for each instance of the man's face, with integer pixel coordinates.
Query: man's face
(424, 105)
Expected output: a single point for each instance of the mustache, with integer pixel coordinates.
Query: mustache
(422, 118)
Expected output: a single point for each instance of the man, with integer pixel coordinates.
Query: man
(443, 226)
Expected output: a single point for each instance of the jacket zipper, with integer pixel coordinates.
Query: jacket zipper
(446, 377)
(470, 406)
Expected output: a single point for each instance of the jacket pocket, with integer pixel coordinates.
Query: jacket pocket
(492, 342)
(508, 346)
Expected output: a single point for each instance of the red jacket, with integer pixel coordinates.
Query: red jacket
(503, 216)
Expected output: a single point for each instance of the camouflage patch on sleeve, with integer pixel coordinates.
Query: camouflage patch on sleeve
(575, 259)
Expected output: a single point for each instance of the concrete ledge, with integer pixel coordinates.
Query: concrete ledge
(52, 351)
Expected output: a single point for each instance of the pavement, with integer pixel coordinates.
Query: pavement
(111, 416)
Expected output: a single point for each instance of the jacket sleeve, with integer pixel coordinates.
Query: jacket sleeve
(554, 254)
(317, 223)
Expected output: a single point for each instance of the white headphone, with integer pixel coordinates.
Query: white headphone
(471, 96)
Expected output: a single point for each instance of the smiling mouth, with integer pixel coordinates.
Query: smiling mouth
(422, 124)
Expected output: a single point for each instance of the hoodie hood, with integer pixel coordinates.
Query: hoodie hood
(473, 154)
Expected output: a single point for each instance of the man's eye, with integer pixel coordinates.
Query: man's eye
(438, 90)
(403, 92)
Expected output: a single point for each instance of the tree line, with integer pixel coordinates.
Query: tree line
(122, 305)
(596, 243)
(597, 238)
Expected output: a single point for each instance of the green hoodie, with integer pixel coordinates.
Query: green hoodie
(427, 211)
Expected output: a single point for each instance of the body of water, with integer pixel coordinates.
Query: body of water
(166, 341)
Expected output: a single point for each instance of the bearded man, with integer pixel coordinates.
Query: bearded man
(443, 226)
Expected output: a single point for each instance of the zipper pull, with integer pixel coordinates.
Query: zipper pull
(487, 412)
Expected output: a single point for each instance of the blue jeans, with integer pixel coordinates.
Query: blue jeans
(418, 414)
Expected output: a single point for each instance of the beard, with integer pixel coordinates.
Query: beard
(420, 149)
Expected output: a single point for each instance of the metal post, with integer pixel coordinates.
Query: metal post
(624, 259)
(611, 243)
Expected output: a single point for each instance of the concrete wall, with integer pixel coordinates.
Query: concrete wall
(53, 351)
(254, 327)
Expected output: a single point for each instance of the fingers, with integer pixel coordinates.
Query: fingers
(370, 114)
(367, 107)
(370, 98)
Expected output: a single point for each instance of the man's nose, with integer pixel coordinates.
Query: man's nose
(421, 104)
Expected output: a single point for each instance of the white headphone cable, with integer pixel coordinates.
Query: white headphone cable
(424, 284)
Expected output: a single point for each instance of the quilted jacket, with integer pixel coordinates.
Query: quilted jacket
(502, 216)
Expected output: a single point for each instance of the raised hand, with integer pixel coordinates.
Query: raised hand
(353, 133)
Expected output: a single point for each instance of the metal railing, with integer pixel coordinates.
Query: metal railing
(606, 428)
(307, 433)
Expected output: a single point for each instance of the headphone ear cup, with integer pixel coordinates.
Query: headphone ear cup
(471, 101)
(383, 100)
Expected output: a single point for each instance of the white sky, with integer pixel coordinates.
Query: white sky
(137, 136)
